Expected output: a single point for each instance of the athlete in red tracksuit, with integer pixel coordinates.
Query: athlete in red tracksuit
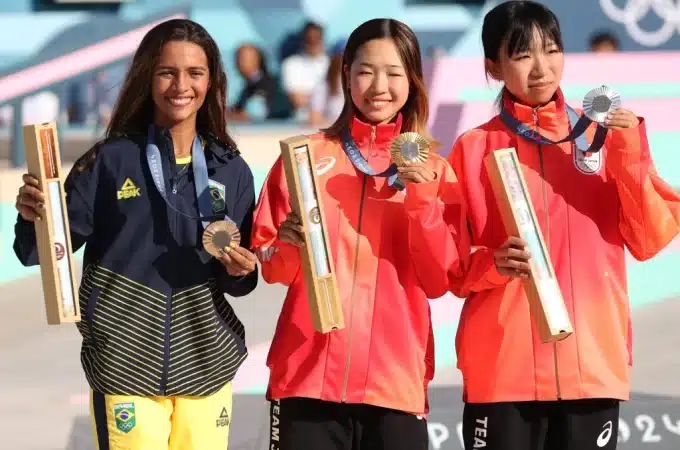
(520, 393)
(392, 249)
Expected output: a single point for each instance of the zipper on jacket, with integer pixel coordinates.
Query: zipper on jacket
(354, 276)
(172, 222)
(547, 244)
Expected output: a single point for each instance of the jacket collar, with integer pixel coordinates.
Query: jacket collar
(379, 137)
(216, 152)
(551, 118)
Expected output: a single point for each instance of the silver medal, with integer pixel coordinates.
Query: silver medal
(599, 102)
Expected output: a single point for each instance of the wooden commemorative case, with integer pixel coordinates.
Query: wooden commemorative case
(43, 160)
(317, 263)
(519, 218)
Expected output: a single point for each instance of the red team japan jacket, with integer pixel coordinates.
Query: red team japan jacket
(391, 249)
(590, 209)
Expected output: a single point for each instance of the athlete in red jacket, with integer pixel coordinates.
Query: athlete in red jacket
(521, 393)
(392, 249)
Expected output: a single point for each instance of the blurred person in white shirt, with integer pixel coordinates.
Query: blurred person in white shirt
(301, 72)
(326, 100)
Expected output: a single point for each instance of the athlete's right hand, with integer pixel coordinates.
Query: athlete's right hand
(512, 258)
(30, 200)
(291, 230)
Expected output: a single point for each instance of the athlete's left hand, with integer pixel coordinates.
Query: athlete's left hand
(238, 261)
(621, 118)
(416, 173)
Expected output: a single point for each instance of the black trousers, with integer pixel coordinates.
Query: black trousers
(308, 424)
(563, 425)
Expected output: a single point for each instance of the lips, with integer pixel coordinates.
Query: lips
(378, 103)
(179, 101)
(539, 85)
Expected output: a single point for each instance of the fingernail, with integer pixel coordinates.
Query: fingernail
(40, 205)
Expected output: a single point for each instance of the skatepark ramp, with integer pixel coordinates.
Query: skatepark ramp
(91, 46)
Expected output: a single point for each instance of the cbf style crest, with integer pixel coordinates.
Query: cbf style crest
(217, 195)
(126, 418)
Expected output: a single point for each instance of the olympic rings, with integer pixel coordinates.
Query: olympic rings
(631, 14)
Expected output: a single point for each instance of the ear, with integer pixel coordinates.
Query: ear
(493, 69)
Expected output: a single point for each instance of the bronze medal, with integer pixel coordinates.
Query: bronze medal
(220, 237)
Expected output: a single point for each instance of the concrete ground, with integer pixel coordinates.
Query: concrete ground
(43, 405)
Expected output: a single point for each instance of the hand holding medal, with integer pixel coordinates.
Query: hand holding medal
(603, 105)
(221, 239)
(410, 152)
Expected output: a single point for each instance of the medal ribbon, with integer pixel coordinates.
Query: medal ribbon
(359, 162)
(578, 127)
(201, 180)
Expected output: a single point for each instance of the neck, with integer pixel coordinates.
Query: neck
(374, 123)
(183, 135)
(530, 105)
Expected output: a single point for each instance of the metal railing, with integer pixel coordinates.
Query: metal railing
(108, 41)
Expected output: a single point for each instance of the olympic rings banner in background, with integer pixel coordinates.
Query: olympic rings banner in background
(639, 24)
(634, 11)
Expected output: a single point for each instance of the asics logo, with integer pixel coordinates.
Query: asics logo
(605, 435)
(634, 11)
(324, 164)
(265, 254)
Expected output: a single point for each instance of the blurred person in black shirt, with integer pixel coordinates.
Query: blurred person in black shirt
(262, 97)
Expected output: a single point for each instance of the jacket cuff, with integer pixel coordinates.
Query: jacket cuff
(628, 147)
(420, 195)
(491, 273)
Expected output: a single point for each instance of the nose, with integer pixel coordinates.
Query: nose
(181, 82)
(540, 68)
(380, 82)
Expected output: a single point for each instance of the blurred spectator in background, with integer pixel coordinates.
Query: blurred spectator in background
(108, 84)
(326, 100)
(262, 97)
(436, 52)
(301, 72)
(43, 106)
(604, 42)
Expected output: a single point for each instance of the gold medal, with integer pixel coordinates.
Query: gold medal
(220, 237)
(409, 147)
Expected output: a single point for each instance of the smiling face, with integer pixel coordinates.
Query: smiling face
(181, 80)
(532, 76)
(378, 82)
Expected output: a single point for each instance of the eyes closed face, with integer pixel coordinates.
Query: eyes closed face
(379, 85)
(532, 76)
(180, 82)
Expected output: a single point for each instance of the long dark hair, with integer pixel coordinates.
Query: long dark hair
(134, 109)
(416, 109)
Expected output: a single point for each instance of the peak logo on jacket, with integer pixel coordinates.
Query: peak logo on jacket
(129, 190)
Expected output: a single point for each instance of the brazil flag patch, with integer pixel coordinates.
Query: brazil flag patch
(125, 416)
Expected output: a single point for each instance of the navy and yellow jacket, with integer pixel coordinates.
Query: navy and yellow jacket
(155, 321)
